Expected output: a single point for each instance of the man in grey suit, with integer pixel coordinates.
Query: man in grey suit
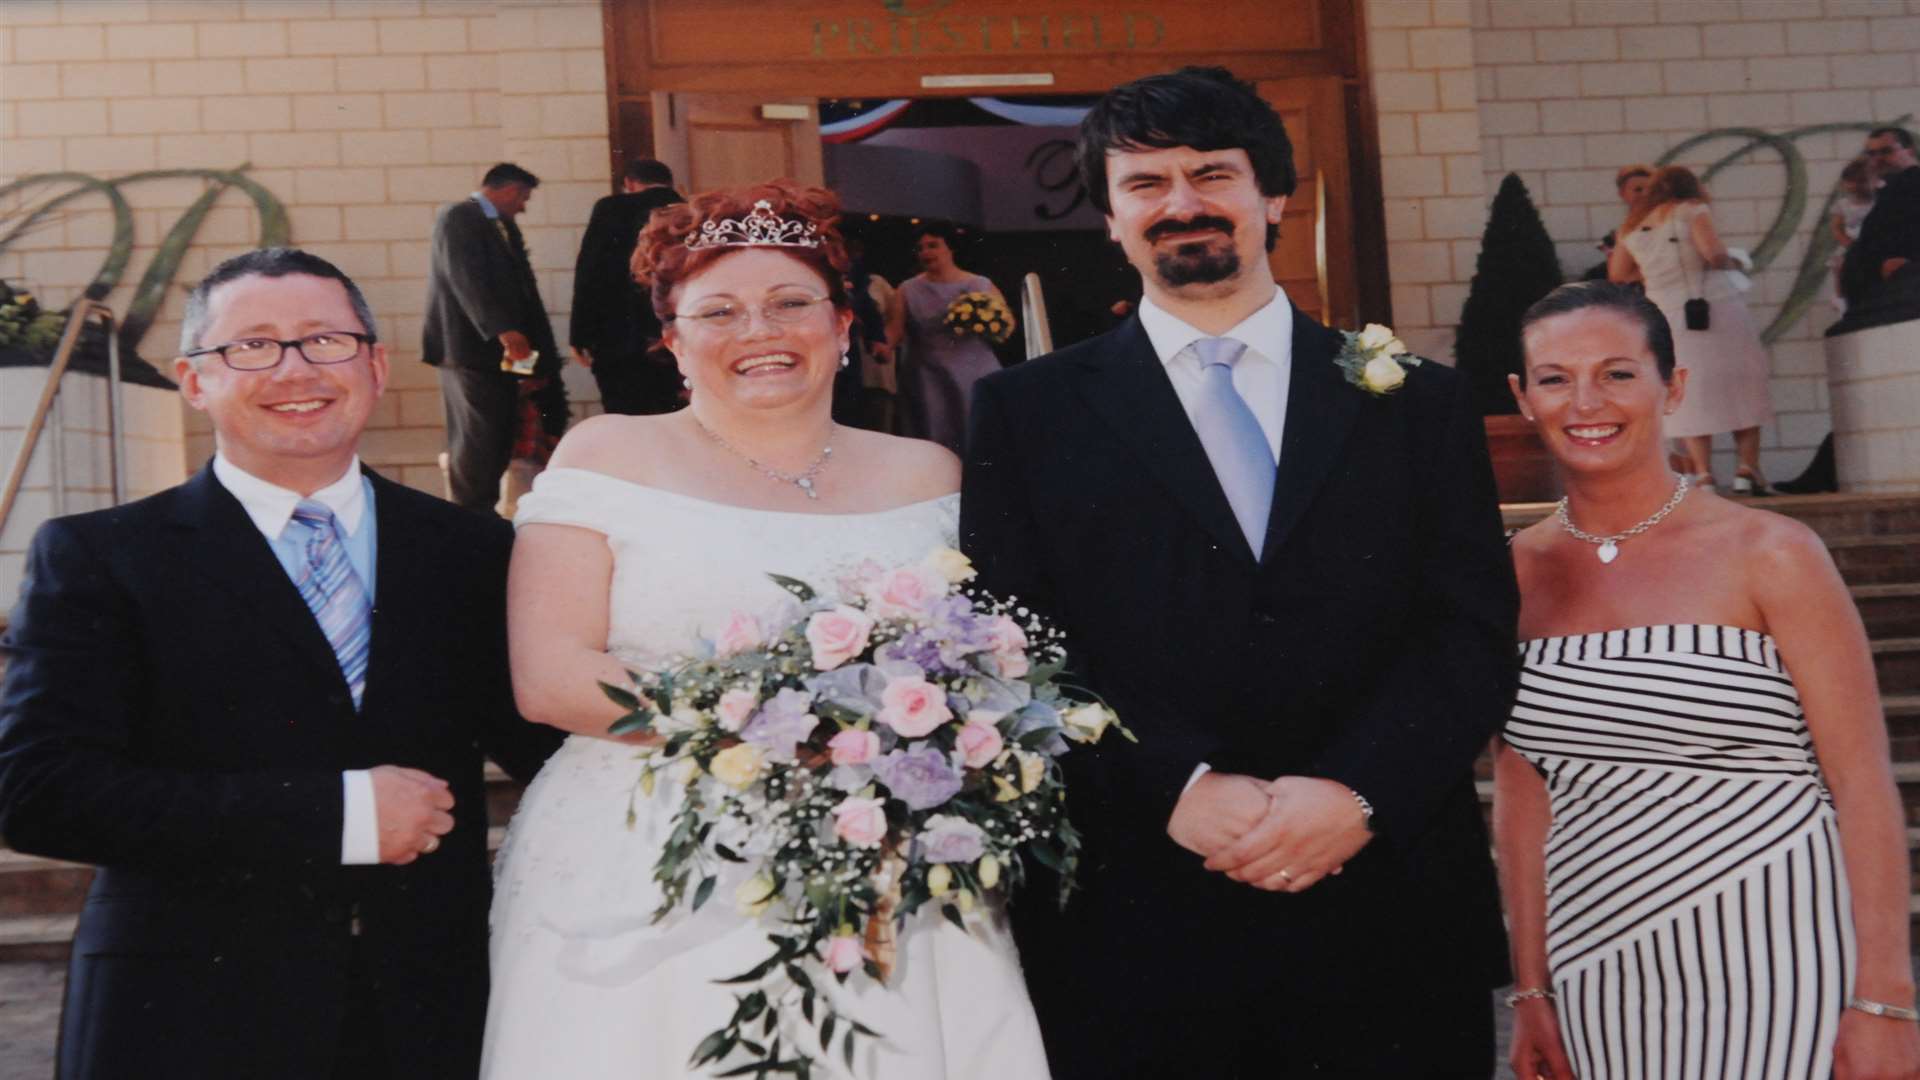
(487, 332)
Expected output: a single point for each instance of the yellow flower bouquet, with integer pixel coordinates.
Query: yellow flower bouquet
(979, 314)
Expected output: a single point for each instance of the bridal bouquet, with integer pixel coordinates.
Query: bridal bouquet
(862, 760)
(979, 314)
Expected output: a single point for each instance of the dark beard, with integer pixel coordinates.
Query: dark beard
(1195, 264)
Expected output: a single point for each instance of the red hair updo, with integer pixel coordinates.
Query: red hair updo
(662, 260)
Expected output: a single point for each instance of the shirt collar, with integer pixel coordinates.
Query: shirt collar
(1266, 332)
(486, 206)
(270, 506)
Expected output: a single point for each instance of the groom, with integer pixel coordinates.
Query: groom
(1295, 592)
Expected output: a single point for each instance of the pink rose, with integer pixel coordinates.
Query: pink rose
(837, 636)
(979, 741)
(913, 706)
(741, 634)
(1008, 644)
(735, 707)
(844, 953)
(861, 822)
(854, 747)
(906, 592)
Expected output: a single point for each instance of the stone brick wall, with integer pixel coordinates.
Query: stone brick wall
(362, 116)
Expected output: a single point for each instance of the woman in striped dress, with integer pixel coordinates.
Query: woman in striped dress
(1701, 844)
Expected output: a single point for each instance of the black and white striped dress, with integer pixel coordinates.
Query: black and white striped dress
(1698, 922)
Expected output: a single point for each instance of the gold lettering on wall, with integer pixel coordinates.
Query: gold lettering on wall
(933, 35)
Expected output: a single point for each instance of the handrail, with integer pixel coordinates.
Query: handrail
(83, 309)
(1033, 317)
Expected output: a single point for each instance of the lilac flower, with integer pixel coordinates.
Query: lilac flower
(922, 778)
(781, 723)
(947, 838)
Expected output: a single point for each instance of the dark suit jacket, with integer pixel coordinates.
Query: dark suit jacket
(611, 314)
(173, 714)
(479, 287)
(1891, 230)
(1373, 645)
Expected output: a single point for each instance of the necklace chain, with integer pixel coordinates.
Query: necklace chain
(802, 479)
(1610, 545)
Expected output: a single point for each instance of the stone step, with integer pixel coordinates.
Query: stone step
(1889, 610)
(1896, 661)
(1877, 559)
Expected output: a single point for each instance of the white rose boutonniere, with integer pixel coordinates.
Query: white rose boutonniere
(1375, 360)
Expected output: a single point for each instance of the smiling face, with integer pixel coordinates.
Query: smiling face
(761, 363)
(296, 424)
(933, 254)
(1594, 391)
(1193, 222)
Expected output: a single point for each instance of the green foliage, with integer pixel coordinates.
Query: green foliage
(1517, 267)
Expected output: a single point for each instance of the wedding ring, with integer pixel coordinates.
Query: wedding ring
(432, 845)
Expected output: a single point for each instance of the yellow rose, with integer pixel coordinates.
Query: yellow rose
(1090, 720)
(979, 328)
(1003, 791)
(737, 766)
(939, 879)
(965, 901)
(950, 564)
(753, 896)
(989, 870)
(1383, 374)
(1033, 769)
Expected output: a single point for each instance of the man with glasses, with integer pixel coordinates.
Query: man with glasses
(1890, 235)
(257, 702)
(487, 331)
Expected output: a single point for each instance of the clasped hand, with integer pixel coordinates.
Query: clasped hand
(1253, 830)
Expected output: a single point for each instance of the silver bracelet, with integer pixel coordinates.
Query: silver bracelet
(1529, 994)
(1881, 1008)
(1366, 809)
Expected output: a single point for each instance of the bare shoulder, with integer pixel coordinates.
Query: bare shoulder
(910, 470)
(620, 446)
(1530, 546)
(1782, 557)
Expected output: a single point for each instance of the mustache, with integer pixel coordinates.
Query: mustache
(1193, 224)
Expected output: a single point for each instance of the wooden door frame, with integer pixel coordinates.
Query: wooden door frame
(632, 80)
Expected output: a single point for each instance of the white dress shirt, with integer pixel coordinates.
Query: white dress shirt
(1262, 373)
(1260, 377)
(270, 507)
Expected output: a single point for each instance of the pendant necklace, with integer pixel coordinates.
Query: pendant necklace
(1610, 545)
(802, 479)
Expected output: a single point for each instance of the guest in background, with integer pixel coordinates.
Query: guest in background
(1701, 846)
(613, 329)
(487, 332)
(940, 367)
(1668, 242)
(864, 392)
(1630, 183)
(1849, 211)
(1890, 235)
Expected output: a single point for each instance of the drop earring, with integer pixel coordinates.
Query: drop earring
(846, 358)
(686, 383)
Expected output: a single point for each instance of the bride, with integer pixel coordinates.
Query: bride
(636, 544)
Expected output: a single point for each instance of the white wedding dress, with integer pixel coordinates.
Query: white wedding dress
(585, 985)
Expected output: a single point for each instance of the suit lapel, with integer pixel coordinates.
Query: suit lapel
(227, 552)
(403, 558)
(1321, 409)
(1128, 387)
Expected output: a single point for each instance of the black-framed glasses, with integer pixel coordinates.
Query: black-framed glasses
(259, 354)
(784, 309)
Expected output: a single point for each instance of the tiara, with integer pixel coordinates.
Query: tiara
(761, 228)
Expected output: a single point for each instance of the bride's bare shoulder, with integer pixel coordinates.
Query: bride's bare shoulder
(620, 446)
(913, 470)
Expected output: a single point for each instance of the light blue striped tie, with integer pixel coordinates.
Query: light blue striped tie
(1235, 443)
(334, 592)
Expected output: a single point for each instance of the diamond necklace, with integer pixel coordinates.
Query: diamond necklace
(1610, 545)
(802, 479)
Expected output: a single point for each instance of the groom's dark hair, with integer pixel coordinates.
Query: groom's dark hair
(1206, 108)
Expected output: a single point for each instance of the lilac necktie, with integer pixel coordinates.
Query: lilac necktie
(334, 592)
(1235, 443)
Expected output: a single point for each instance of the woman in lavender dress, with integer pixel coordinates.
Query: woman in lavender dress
(939, 370)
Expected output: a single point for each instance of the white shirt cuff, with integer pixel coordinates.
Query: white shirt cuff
(360, 823)
(1199, 771)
